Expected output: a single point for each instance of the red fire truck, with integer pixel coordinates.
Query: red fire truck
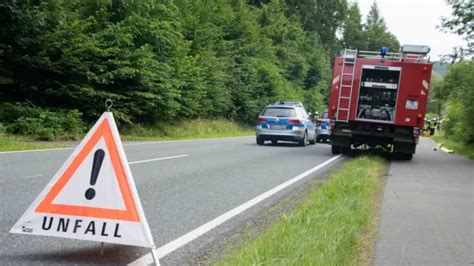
(379, 99)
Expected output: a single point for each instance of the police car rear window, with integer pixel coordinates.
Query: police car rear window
(279, 112)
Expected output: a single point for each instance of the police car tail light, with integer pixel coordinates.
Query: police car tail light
(261, 119)
(295, 121)
(319, 122)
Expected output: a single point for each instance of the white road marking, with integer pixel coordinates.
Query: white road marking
(201, 230)
(126, 144)
(159, 159)
(136, 162)
(31, 176)
(25, 151)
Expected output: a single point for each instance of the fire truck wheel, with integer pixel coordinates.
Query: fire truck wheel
(335, 149)
(407, 156)
(402, 156)
(346, 150)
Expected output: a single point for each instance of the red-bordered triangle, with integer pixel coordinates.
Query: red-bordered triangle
(129, 214)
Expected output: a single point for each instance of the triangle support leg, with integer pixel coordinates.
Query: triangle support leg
(155, 257)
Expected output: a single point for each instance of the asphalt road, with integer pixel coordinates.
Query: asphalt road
(178, 194)
(427, 213)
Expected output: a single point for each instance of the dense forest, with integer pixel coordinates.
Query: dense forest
(162, 60)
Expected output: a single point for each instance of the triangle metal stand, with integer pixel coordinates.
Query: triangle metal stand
(155, 256)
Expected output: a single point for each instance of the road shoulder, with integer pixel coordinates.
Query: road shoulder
(427, 211)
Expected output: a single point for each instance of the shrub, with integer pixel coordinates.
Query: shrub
(45, 124)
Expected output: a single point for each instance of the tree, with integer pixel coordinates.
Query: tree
(376, 33)
(320, 16)
(353, 34)
(162, 60)
(458, 88)
(461, 23)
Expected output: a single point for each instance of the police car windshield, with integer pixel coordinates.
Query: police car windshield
(279, 112)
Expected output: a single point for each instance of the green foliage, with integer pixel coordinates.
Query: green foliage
(334, 225)
(199, 128)
(457, 146)
(461, 23)
(436, 95)
(10, 143)
(163, 60)
(43, 124)
(458, 89)
(353, 34)
(371, 35)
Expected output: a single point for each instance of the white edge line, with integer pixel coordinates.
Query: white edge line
(125, 144)
(159, 159)
(201, 230)
(24, 151)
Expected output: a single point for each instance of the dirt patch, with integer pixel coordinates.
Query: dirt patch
(368, 236)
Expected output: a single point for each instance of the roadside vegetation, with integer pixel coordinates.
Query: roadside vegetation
(188, 130)
(452, 95)
(456, 146)
(334, 225)
(15, 143)
(167, 61)
(455, 94)
(194, 129)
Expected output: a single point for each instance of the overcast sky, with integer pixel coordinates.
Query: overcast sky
(415, 21)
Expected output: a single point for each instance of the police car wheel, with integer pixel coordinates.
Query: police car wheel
(260, 141)
(303, 141)
(313, 141)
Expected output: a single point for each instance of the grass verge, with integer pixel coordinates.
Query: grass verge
(458, 147)
(193, 129)
(334, 225)
(12, 143)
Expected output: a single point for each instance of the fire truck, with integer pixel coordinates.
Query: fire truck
(379, 99)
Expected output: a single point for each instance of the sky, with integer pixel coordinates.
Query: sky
(415, 21)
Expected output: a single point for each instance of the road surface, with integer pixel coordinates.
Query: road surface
(428, 211)
(182, 185)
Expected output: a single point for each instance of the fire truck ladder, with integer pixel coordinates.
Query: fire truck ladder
(345, 85)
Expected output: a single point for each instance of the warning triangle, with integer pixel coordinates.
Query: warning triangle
(95, 187)
(130, 213)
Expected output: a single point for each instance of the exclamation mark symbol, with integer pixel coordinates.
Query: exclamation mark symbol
(96, 164)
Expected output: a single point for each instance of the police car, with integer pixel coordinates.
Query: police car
(286, 121)
(323, 128)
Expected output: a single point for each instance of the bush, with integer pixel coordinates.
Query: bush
(458, 83)
(46, 125)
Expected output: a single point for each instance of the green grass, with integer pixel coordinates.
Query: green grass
(335, 224)
(170, 131)
(458, 147)
(193, 129)
(14, 143)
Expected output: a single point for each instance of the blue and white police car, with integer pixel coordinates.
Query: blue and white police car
(286, 121)
(323, 128)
